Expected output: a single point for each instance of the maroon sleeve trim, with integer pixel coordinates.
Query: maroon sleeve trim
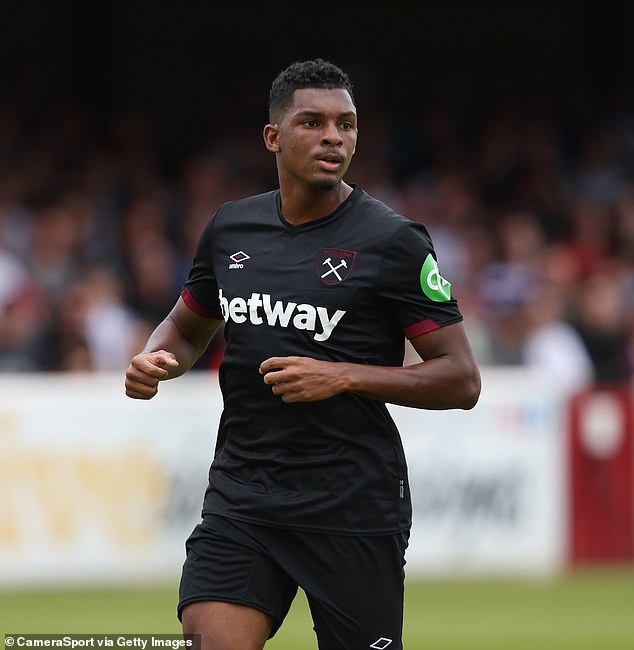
(196, 307)
(419, 328)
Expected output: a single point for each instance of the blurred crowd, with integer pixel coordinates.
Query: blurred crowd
(530, 205)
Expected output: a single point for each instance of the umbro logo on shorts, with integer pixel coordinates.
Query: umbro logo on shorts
(381, 643)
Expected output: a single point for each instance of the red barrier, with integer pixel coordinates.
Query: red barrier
(601, 469)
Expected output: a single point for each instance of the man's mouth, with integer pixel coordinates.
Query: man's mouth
(331, 161)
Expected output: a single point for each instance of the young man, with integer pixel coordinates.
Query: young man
(318, 284)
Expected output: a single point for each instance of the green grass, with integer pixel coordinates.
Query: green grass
(586, 610)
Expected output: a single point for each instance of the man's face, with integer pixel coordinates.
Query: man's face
(317, 136)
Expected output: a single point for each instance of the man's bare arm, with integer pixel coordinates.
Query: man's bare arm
(172, 349)
(448, 377)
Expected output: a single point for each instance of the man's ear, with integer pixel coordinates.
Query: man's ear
(271, 137)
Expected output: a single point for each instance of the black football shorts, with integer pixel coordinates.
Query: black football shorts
(354, 585)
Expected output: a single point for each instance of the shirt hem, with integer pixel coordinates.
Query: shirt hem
(331, 530)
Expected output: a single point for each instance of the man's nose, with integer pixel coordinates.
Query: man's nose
(331, 134)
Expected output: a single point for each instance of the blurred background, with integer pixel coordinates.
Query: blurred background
(507, 128)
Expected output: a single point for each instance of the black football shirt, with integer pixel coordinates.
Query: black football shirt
(347, 287)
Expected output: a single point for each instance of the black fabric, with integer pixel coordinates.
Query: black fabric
(354, 585)
(341, 288)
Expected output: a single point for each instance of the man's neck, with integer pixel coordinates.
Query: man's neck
(304, 206)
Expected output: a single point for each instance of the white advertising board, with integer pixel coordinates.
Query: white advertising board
(95, 487)
(489, 485)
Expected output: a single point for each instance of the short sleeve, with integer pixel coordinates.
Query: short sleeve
(200, 292)
(411, 284)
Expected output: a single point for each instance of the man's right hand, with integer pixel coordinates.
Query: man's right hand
(145, 371)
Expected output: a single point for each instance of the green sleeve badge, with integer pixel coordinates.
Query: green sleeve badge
(434, 286)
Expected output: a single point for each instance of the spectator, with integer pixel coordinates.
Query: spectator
(517, 197)
(603, 324)
(553, 346)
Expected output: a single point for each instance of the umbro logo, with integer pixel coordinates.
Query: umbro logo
(238, 259)
(381, 643)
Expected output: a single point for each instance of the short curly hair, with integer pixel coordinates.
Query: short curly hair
(316, 73)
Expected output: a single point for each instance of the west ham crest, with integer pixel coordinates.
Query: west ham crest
(335, 265)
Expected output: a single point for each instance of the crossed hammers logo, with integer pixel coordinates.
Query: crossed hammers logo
(333, 269)
(335, 265)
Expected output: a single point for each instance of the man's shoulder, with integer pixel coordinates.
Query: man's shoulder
(264, 200)
(373, 207)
